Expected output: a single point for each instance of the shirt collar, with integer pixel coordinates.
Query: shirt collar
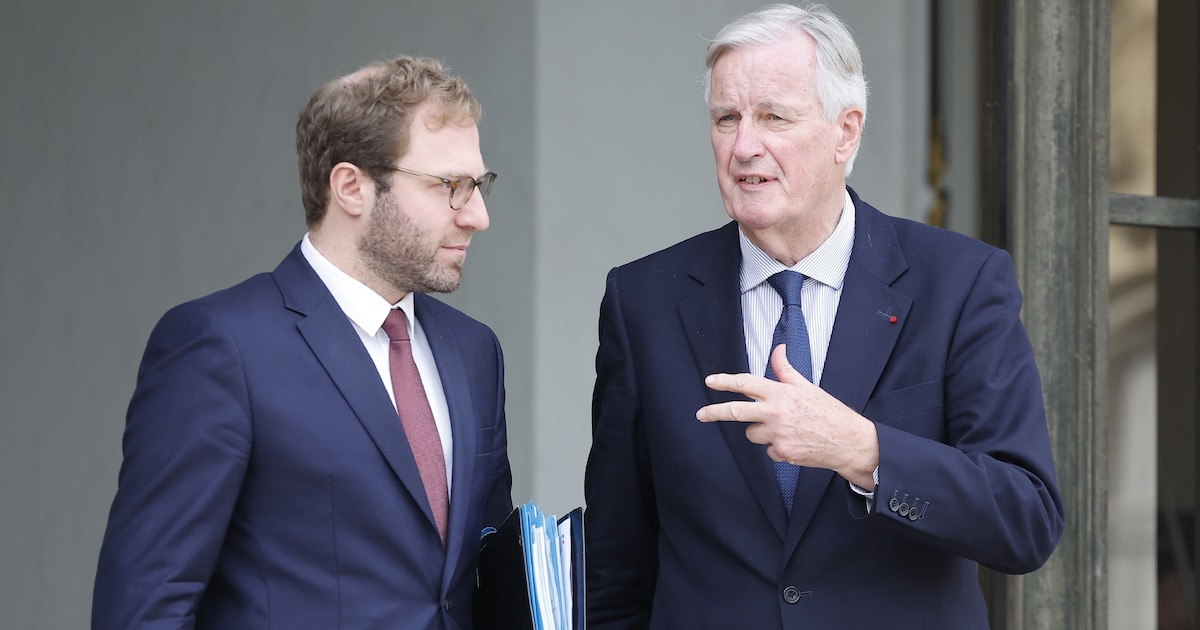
(366, 308)
(826, 265)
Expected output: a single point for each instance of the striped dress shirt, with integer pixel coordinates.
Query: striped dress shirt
(825, 269)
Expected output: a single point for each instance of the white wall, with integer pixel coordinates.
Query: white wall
(146, 157)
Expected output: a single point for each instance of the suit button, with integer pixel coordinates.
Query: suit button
(903, 509)
(894, 504)
(913, 514)
(791, 594)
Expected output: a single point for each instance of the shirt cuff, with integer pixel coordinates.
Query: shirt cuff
(869, 495)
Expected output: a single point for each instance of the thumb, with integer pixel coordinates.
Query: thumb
(784, 372)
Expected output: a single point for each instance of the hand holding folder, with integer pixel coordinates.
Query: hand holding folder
(530, 574)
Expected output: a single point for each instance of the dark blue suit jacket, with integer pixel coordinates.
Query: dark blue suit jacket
(267, 481)
(685, 525)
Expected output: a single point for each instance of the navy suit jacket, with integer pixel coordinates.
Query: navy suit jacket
(685, 525)
(267, 481)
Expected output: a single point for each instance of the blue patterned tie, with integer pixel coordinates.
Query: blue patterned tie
(792, 331)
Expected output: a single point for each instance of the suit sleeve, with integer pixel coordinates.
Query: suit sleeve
(987, 489)
(621, 523)
(186, 446)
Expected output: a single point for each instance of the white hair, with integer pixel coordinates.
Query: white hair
(840, 81)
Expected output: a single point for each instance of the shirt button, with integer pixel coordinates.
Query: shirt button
(791, 594)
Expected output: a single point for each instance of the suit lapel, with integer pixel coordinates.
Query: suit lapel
(864, 334)
(712, 317)
(863, 338)
(449, 358)
(333, 340)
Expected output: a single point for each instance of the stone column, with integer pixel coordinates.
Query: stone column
(1058, 222)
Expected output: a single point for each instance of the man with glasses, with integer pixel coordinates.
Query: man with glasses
(817, 416)
(320, 446)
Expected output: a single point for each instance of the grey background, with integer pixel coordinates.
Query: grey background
(146, 157)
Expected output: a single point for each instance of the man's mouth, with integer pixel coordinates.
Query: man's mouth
(752, 179)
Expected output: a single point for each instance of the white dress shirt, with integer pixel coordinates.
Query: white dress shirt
(366, 309)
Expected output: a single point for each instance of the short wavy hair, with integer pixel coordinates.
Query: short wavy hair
(364, 119)
(841, 82)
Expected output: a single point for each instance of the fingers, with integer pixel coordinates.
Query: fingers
(756, 431)
(757, 388)
(748, 384)
(754, 386)
(734, 411)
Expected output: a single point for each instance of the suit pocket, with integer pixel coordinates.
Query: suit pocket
(907, 406)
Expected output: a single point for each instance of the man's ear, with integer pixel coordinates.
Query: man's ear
(850, 124)
(351, 189)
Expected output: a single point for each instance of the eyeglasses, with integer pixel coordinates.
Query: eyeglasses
(461, 188)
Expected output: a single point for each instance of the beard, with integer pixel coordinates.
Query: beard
(402, 254)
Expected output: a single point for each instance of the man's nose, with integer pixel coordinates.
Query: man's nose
(747, 144)
(473, 215)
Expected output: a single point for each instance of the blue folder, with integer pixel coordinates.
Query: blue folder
(531, 573)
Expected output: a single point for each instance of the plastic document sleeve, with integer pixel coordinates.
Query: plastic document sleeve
(530, 574)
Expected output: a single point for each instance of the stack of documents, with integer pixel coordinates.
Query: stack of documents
(531, 573)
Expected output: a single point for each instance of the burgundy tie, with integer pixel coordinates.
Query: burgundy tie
(417, 418)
